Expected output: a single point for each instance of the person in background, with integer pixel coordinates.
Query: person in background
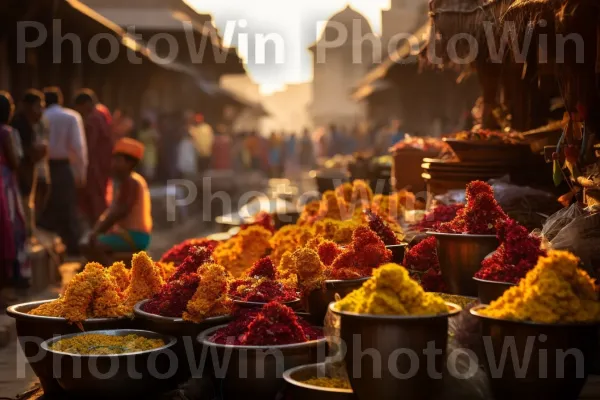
(126, 226)
(333, 140)
(275, 155)
(12, 218)
(204, 138)
(105, 112)
(34, 149)
(222, 150)
(306, 154)
(68, 162)
(398, 133)
(149, 138)
(92, 195)
(122, 125)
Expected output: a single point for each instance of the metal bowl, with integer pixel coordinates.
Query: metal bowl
(398, 251)
(460, 257)
(32, 330)
(371, 376)
(116, 375)
(297, 389)
(569, 349)
(317, 301)
(489, 291)
(483, 151)
(293, 304)
(257, 371)
(184, 331)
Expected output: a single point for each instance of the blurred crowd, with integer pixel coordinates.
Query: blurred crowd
(55, 166)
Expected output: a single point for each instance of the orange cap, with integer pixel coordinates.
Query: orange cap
(130, 147)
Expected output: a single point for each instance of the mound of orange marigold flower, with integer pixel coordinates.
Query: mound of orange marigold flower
(211, 298)
(241, 251)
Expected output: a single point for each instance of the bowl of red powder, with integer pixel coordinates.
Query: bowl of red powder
(251, 353)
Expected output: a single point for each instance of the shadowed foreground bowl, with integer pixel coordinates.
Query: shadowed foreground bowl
(32, 330)
(114, 375)
(489, 291)
(569, 352)
(244, 372)
(460, 258)
(187, 347)
(297, 389)
(317, 301)
(400, 343)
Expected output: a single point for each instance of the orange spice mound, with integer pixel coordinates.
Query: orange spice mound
(121, 274)
(211, 298)
(309, 269)
(146, 279)
(93, 293)
(241, 251)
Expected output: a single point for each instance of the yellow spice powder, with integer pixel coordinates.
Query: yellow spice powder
(555, 291)
(100, 344)
(333, 383)
(391, 291)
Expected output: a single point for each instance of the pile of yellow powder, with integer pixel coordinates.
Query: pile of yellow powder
(391, 291)
(555, 291)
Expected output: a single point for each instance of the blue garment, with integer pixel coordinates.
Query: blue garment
(125, 241)
(398, 137)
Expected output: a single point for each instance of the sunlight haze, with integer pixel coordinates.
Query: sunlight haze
(296, 22)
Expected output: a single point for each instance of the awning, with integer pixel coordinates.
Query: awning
(407, 53)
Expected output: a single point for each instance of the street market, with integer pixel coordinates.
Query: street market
(435, 237)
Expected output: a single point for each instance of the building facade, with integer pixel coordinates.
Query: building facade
(338, 69)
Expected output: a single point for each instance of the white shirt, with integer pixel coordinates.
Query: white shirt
(67, 138)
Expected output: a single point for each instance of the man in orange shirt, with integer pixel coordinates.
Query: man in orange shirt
(126, 225)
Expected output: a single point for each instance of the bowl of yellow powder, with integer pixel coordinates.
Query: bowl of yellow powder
(550, 321)
(393, 320)
(313, 382)
(104, 364)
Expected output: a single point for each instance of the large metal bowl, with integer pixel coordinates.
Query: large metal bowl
(386, 355)
(489, 291)
(184, 331)
(297, 389)
(116, 375)
(32, 330)
(460, 257)
(551, 349)
(317, 301)
(257, 371)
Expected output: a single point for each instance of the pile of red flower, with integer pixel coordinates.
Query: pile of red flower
(179, 252)
(366, 252)
(423, 264)
(480, 215)
(518, 254)
(173, 297)
(261, 285)
(440, 214)
(273, 325)
(381, 228)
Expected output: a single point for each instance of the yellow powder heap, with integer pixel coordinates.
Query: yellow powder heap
(555, 291)
(96, 343)
(392, 292)
(332, 383)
